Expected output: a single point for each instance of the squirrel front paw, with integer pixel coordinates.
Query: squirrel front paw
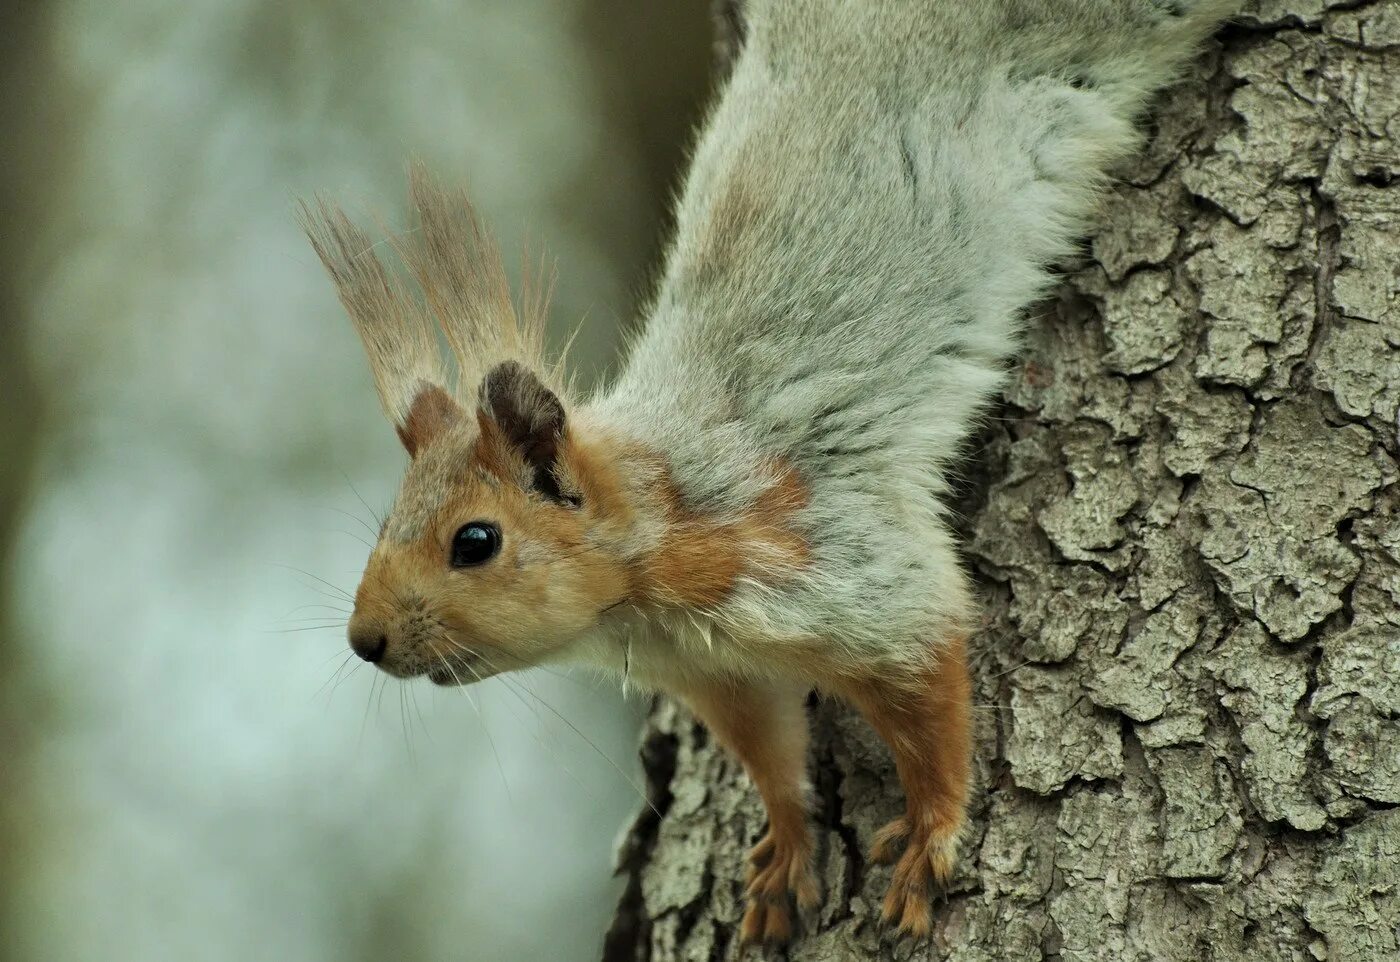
(930, 854)
(779, 867)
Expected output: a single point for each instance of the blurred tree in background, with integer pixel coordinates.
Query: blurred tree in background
(26, 118)
(175, 786)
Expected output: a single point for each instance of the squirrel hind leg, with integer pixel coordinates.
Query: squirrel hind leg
(928, 727)
(765, 727)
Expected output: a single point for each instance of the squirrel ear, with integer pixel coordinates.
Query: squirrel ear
(531, 418)
(433, 411)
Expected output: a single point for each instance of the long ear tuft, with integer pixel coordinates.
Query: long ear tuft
(464, 291)
(458, 266)
(398, 337)
(531, 419)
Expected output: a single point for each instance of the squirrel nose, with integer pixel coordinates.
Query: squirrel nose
(369, 644)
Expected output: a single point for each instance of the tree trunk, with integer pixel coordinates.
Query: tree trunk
(1187, 526)
(38, 150)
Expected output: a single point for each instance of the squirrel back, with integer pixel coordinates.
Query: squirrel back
(877, 197)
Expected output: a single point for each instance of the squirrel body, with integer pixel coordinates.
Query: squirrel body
(860, 233)
(756, 506)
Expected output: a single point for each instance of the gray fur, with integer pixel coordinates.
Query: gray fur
(876, 199)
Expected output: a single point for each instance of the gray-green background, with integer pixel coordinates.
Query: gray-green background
(183, 412)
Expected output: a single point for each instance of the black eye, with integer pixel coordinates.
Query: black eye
(475, 543)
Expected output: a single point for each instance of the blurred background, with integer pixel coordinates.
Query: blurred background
(190, 452)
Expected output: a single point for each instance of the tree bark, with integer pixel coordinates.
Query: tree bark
(1186, 520)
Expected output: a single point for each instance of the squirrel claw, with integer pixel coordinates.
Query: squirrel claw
(776, 871)
(884, 849)
(765, 922)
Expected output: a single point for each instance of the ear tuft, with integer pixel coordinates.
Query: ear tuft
(532, 419)
(397, 333)
(432, 412)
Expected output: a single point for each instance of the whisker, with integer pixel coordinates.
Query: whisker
(340, 591)
(358, 520)
(522, 664)
(480, 716)
(341, 667)
(534, 733)
(525, 666)
(403, 724)
(320, 591)
(616, 767)
(334, 688)
(289, 631)
(511, 686)
(516, 687)
(398, 599)
(351, 534)
(377, 519)
(413, 697)
(343, 611)
(365, 720)
(1010, 670)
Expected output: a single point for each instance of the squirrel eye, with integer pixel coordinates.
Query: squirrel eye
(474, 544)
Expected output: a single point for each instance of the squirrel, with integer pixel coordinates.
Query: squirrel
(756, 507)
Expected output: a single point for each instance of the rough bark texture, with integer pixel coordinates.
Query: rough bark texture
(1188, 531)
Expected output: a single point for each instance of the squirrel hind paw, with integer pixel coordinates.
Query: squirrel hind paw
(929, 860)
(778, 875)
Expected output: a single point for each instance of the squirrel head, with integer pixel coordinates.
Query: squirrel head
(490, 559)
(494, 555)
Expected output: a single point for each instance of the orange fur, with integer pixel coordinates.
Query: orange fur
(594, 467)
(702, 559)
(928, 726)
(512, 612)
(925, 720)
(560, 566)
(766, 729)
(697, 566)
(493, 454)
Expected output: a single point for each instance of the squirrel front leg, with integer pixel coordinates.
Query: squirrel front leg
(765, 726)
(926, 721)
